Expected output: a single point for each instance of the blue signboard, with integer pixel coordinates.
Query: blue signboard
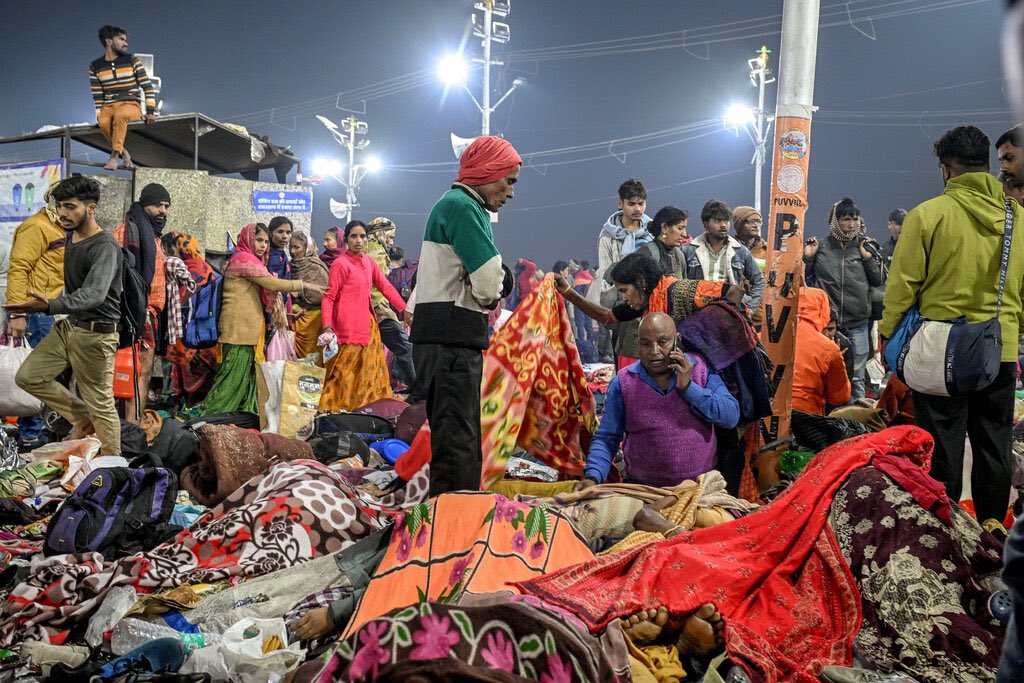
(282, 201)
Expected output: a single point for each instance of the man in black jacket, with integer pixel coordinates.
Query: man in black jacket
(847, 265)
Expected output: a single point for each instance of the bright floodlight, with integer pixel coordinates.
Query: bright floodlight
(452, 70)
(373, 164)
(326, 166)
(738, 115)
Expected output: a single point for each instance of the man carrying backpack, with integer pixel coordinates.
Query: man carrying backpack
(87, 339)
(140, 234)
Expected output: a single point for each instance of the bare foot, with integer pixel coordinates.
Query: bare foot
(702, 634)
(126, 160)
(80, 432)
(111, 162)
(643, 627)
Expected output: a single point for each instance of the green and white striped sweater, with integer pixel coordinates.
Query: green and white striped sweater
(459, 273)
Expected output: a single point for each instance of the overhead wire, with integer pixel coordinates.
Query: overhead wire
(842, 14)
(839, 14)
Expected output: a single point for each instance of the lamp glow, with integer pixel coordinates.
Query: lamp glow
(452, 70)
(738, 115)
(324, 166)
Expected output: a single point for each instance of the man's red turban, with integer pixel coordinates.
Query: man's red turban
(487, 160)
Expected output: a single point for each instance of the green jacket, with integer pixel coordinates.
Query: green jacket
(947, 260)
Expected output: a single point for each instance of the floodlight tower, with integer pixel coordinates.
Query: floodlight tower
(346, 137)
(760, 76)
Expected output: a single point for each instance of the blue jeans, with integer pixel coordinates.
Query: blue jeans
(39, 325)
(861, 350)
(585, 337)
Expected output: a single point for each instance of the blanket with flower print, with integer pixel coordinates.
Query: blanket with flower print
(467, 543)
(292, 513)
(515, 635)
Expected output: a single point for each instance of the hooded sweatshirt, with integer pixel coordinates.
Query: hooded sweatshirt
(819, 372)
(615, 242)
(947, 260)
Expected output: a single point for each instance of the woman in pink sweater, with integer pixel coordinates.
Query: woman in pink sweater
(358, 374)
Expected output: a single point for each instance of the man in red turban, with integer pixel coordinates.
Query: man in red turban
(460, 278)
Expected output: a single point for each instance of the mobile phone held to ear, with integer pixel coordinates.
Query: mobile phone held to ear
(677, 344)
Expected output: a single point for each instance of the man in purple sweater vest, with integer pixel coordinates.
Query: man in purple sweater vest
(663, 409)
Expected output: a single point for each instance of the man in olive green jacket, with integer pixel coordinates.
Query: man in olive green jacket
(947, 261)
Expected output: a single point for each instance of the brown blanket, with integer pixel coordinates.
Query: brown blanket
(229, 457)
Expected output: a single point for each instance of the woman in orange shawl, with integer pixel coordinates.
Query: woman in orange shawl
(645, 290)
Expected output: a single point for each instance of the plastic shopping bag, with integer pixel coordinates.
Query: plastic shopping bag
(14, 401)
(257, 651)
(301, 387)
(268, 394)
(80, 456)
(282, 346)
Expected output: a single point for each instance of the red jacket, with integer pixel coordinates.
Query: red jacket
(346, 306)
(525, 279)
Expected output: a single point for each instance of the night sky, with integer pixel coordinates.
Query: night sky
(887, 86)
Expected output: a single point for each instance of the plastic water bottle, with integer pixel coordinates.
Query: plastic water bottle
(131, 633)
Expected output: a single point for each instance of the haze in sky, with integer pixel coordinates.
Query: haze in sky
(613, 89)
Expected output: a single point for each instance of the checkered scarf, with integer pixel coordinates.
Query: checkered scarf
(177, 277)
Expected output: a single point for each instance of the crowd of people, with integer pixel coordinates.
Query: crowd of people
(647, 546)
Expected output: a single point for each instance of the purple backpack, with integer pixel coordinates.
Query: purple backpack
(116, 511)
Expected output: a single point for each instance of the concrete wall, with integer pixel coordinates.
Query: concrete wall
(210, 207)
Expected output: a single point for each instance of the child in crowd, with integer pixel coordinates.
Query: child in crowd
(280, 229)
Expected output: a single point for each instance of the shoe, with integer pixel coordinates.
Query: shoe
(996, 528)
(82, 673)
(157, 656)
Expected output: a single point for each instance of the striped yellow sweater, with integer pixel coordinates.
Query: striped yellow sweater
(119, 81)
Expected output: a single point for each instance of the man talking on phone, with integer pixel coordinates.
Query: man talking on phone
(663, 409)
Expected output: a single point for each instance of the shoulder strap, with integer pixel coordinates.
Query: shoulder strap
(1007, 241)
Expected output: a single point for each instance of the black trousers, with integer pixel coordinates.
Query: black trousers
(450, 377)
(987, 418)
(397, 341)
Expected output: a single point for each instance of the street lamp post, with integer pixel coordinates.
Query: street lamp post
(453, 69)
(760, 75)
(346, 137)
(757, 123)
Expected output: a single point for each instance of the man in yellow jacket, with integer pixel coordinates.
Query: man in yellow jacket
(37, 264)
(947, 260)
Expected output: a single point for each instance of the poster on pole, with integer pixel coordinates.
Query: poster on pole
(22, 188)
(784, 274)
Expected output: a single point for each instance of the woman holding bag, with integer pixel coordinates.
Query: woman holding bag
(249, 292)
(357, 374)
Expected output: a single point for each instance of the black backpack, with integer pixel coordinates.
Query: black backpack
(134, 299)
(369, 428)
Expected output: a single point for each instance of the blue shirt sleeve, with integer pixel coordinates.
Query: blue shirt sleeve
(605, 443)
(714, 402)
